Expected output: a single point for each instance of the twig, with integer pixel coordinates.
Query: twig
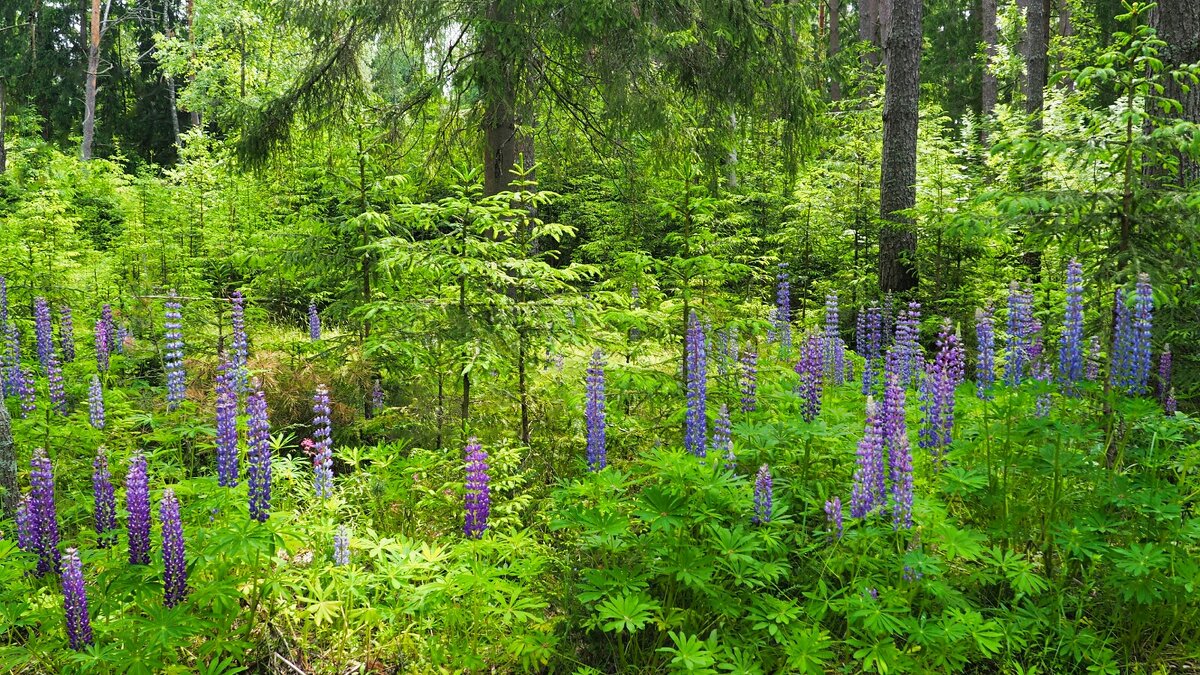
(291, 665)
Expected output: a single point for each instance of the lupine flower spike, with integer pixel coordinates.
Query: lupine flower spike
(323, 445)
(377, 396)
(54, 381)
(96, 403)
(66, 334)
(696, 423)
(811, 371)
(137, 508)
(477, 494)
(594, 413)
(105, 501)
(833, 516)
(1070, 342)
(43, 517)
(870, 491)
(75, 603)
(749, 380)
(173, 358)
(783, 310)
(258, 473)
(240, 352)
(100, 339)
(985, 363)
(341, 547)
(227, 433)
(722, 439)
(174, 564)
(763, 496)
(1163, 385)
(314, 323)
(833, 352)
(43, 331)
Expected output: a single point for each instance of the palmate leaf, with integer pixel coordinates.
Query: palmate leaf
(661, 510)
(808, 650)
(629, 612)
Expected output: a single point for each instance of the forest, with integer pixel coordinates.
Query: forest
(599, 336)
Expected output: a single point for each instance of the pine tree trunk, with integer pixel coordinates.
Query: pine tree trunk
(1037, 43)
(835, 86)
(89, 93)
(868, 29)
(1178, 24)
(171, 110)
(8, 466)
(989, 41)
(898, 184)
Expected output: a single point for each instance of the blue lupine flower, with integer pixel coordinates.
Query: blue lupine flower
(174, 564)
(258, 470)
(1070, 343)
(763, 496)
(594, 413)
(75, 603)
(696, 423)
(323, 444)
(96, 403)
(477, 493)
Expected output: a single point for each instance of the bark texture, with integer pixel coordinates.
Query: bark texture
(1178, 24)
(898, 184)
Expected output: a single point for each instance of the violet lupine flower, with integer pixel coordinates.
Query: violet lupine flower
(1121, 363)
(1092, 371)
(722, 438)
(1170, 405)
(104, 498)
(833, 516)
(173, 359)
(258, 471)
(906, 348)
(1163, 386)
(96, 403)
(124, 337)
(763, 496)
(341, 547)
(593, 414)
(227, 434)
(1041, 373)
(100, 339)
(323, 444)
(985, 363)
(1143, 308)
(43, 331)
(834, 350)
(54, 382)
(137, 508)
(749, 380)
(783, 310)
(1021, 328)
(239, 353)
(75, 603)
(1070, 343)
(26, 391)
(870, 346)
(477, 495)
(66, 334)
(314, 323)
(110, 327)
(895, 438)
(870, 489)
(377, 396)
(42, 514)
(772, 322)
(944, 374)
(811, 372)
(174, 564)
(696, 423)
(26, 525)
(3, 302)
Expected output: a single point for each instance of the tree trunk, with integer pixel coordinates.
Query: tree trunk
(835, 86)
(898, 184)
(191, 23)
(1178, 24)
(171, 109)
(1037, 43)
(8, 466)
(868, 29)
(89, 94)
(990, 40)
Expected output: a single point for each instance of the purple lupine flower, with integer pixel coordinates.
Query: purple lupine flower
(870, 490)
(772, 322)
(942, 377)
(833, 349)
(104, 498)
(43, 331)
(174, 564)
(1092, 370)
(42, 513)
(763, 496)
(75, 603)
(1070, 343)
(783, 310)
(323, 444)
(258, 471)
(722, 438)
(173, 359)
(66, 333)
(1143, 308)
(870, 346)
(477, 494)
(1163, 386)
(26, 391)
(341, 547)
(899, 454)
(833, 516)
(124, 337)
(3, 302)
(377, 396)
(1120, 365)
(1170, 405)
(54, 383)
(906, 348)
(137, 509)
(239, 352)
(593, 414)
(26, 525)
(696, 423)
(110, 327)
(749, 380)
(227, 433)
(985, 363)
(1022, 328)
(100, 339)
(96, 403)
(1042, 374)
(314, 322)
(811, 372)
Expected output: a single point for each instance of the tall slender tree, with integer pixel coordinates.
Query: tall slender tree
(98, 26)
(901, 20)
(1178, 24)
